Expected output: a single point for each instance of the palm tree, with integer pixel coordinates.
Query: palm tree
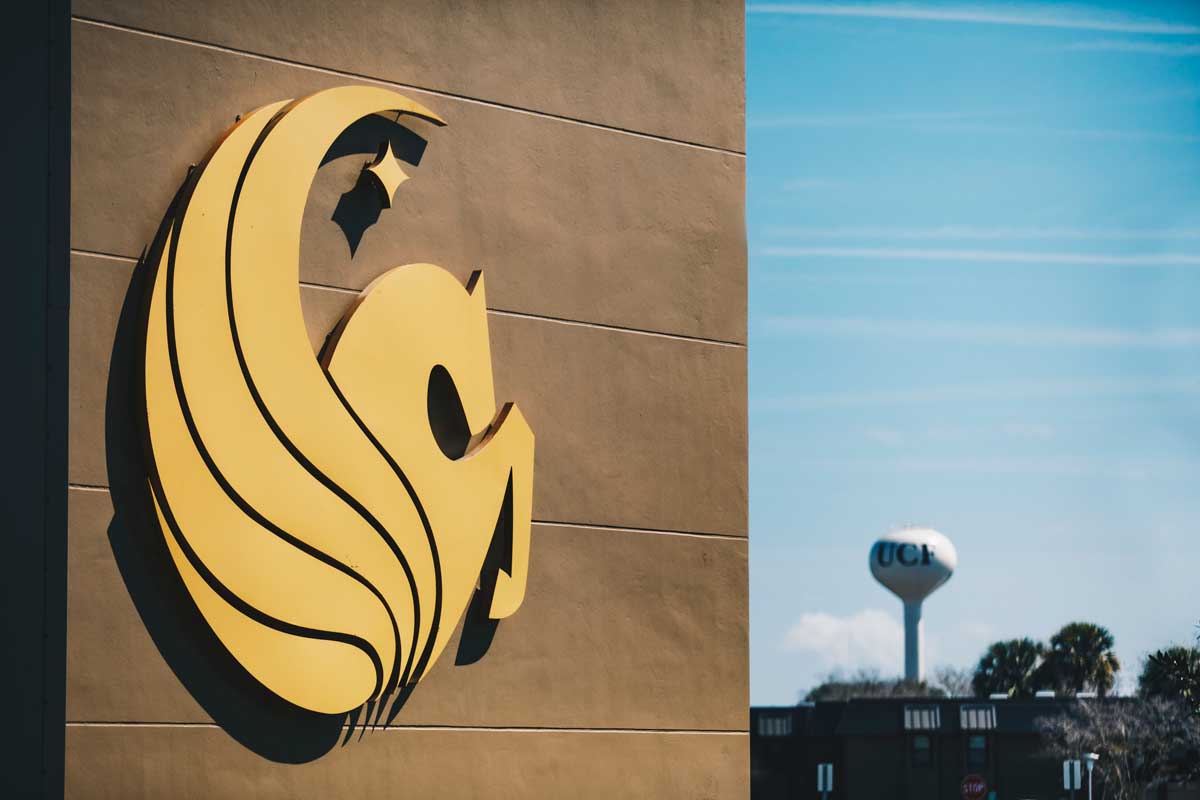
(1081, 657)
(1172, 672)
(1008, 668)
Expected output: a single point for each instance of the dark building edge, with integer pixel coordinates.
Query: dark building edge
(35, 305)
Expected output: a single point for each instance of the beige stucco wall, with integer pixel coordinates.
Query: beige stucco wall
(592, 166)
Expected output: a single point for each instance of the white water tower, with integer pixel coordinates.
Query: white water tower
(911, 563)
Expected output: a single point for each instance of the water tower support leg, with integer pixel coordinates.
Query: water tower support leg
(914, 643)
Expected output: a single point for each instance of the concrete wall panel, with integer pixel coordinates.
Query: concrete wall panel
(568, 221)
(200, 763)
(629, 426)
(618, 630)
(633, 430)
(668, 68)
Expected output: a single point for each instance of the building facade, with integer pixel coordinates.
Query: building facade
(914, 749)
(591, 164)
(903, 749)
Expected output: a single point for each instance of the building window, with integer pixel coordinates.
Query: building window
(981, 717)
(922, 718)
(977, 752)
(775, 725)
(922, 751)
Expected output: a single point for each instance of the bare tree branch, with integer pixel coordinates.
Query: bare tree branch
(1141, 742)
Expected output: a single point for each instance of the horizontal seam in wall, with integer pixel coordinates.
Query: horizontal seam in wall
(459, 728)
(618, 328)
(629, 529)
(88, 487)
(330, 287)
(407, 87)
(76, 251)
(500, 312)
(93, 487)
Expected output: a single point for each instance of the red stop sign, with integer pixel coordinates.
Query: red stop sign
(974, 787)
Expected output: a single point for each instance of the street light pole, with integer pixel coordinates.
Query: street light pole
(1091, 759)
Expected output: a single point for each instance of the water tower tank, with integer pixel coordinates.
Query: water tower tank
(912, 563)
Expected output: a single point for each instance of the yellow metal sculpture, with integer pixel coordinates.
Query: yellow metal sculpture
(331, 518)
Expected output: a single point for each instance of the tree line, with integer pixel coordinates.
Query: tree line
(1078, 658)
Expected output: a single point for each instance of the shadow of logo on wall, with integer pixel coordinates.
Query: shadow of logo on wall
(301, 535)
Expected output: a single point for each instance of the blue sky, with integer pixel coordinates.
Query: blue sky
(974, 237)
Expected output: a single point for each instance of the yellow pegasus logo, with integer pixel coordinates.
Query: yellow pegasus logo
(331, 518)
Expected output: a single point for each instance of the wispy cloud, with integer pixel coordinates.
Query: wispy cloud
(847, 279)
(1013, 15)
(1004, 392)
(981, 334)
(983, 233)
(1170, 49)
(870, 639)
(892, 437)
(992, 120)
(986, 256)
(1075, 466)
(1094, 134)
(964, 122)
(874, 119)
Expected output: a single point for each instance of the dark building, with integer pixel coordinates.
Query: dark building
(905, 749)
